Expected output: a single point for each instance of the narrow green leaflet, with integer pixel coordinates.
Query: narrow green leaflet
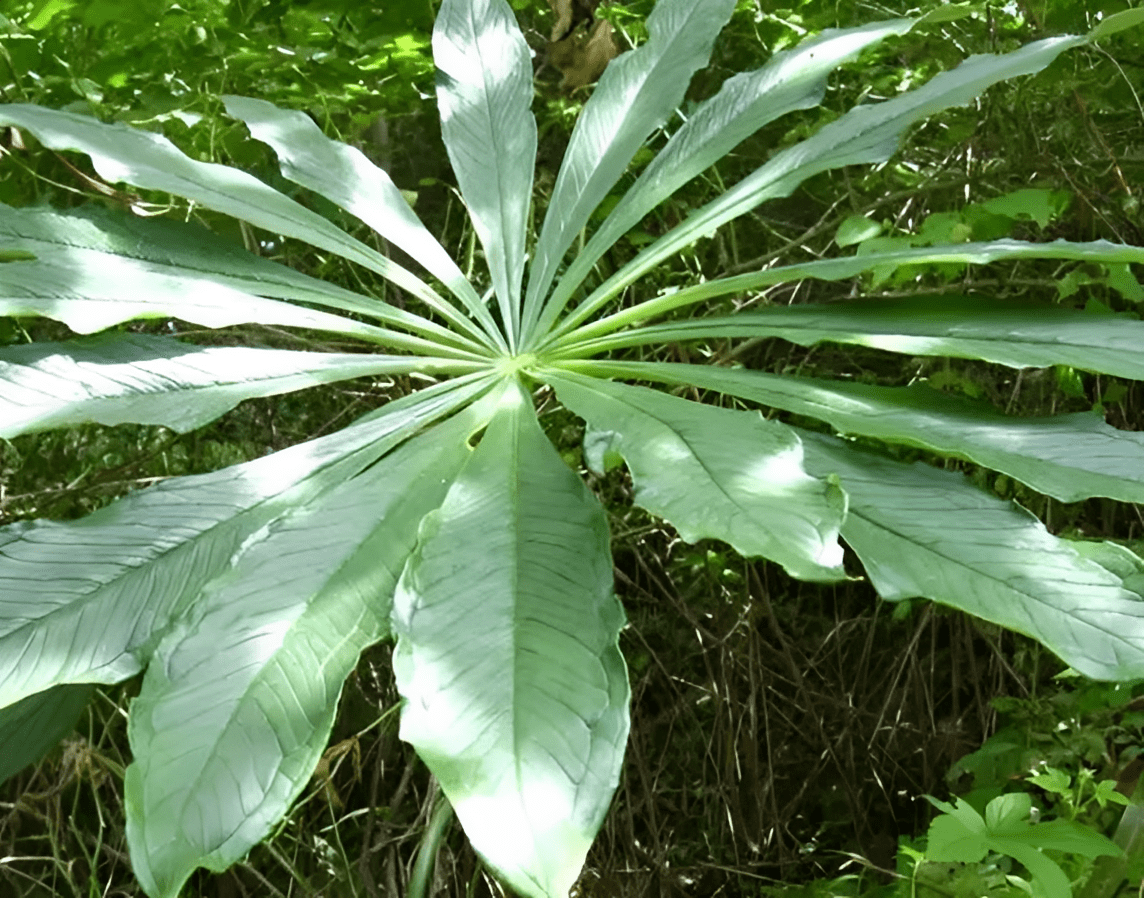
(150, 161)
(841, 269)
(343, 175)
(237, 704)
(91, 243)
(1069, 457)
(515, 690)
(1020, 335)
(1110, 25)
(33, 726)
(717, 473)
(118, 378)
(119, 290)
(790, 80)
(636, 94)
(866, 134)
(86, 601)
(484, 91)
(921, 532)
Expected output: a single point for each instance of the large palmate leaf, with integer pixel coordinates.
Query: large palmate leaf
(447, 519)
(516, 693)
(238, 701)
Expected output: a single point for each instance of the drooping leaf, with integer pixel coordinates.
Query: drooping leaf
(343, 175)
(790, 80)
(636, 94)
(484, 91)
(134, 378)
(94, 269)
(86, 601)
(1070, 457)
(238, 701)
(515, 691)
(921, 532)
(150, 161)
(30, 728)
(717, 473)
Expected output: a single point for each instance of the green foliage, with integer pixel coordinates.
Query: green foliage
(962, 835)
(446, 519)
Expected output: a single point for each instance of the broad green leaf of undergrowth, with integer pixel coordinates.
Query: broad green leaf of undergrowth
(1070, 457)
(922, 532)
(635, 95)
(515, 690)
(117, 378)
(237, 703)
(30, 728)
(484, 93)
(717, 473)
(961, 835)
(86, 601)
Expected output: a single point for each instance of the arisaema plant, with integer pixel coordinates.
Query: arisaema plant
(446, 520)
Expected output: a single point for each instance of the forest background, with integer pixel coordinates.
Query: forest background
(783, 732)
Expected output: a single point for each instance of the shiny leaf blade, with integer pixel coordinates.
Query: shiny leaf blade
(343, 175)
(1069, 457)
(865, 135)
(636, 94)
(484, 91)
(717, 473)
(921, 532)
(93, 269)
(86, 601)
(516, 694)
(1019, 335)
(848, 267)
(237, 705)
(135, 378)
(790, 80)
(144, 159)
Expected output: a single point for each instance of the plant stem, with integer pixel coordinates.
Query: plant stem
(430, 843)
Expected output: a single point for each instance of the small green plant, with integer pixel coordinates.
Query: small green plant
(1075, 795)
(1013, 828)
(447, 520)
